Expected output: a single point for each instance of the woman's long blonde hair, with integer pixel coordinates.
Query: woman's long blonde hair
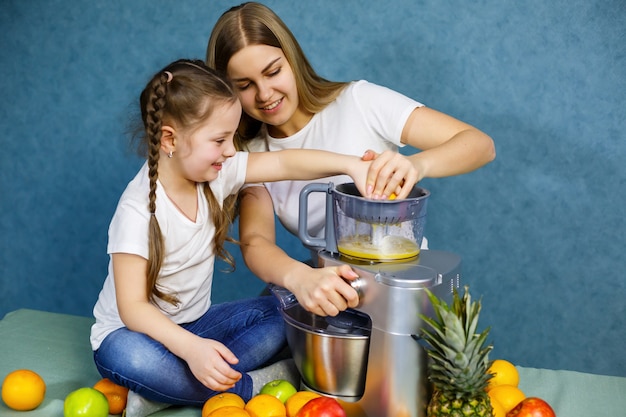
(255, 24)
(183, 94)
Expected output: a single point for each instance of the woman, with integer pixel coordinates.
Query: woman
(287, 105)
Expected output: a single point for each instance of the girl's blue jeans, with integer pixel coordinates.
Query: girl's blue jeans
(252, 329)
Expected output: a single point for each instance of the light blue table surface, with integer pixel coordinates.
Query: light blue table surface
(57, 347)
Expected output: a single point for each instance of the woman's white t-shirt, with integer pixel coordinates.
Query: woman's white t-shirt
(364, 116)
(188, 264)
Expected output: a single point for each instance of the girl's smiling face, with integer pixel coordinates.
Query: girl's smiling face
(266, 86)
(200, 153)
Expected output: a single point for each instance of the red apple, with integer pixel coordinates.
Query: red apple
(532, 407)
(322, 407)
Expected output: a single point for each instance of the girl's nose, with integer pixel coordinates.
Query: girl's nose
(229, 149)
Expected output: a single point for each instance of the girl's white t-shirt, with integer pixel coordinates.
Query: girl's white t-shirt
(188, 265)
(364, 116)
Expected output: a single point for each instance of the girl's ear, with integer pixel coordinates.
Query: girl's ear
(168, 140)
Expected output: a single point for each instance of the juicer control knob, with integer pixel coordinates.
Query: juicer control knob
(358, 284)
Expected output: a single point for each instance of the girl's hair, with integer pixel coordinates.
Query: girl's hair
(183, 95)
(255, 24)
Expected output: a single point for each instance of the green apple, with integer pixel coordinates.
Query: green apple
(86, 402)
(280, 389)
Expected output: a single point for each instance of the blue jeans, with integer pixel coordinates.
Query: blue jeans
(252, 329)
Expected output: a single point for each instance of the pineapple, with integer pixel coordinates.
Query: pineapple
(459, 358)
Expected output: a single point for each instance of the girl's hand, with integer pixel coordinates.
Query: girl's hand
(210, 362)
(390, 173)
(324, 291)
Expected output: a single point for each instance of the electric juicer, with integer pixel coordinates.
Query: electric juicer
(370, 357)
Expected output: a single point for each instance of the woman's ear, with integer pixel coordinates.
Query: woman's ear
(168, 139)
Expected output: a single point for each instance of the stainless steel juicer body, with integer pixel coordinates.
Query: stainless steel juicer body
(375, 366)
(393, 297)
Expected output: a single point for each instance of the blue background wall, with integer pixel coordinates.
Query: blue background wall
(540, 230)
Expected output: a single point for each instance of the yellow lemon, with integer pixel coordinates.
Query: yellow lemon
(504, 373)
(507, 395)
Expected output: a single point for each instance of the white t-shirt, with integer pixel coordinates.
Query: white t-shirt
(187, 269)
(364, 116)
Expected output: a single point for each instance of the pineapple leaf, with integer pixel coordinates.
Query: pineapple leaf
(454, 332)
(459, 355)
(435, 326)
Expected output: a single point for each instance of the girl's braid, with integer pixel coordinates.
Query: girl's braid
(154, 122)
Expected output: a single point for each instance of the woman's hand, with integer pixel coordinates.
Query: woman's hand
(210, 362)
(324, 291)
(390, 173)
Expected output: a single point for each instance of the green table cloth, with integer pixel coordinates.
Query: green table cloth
(56, 346)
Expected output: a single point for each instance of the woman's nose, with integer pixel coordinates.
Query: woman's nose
(264, 92)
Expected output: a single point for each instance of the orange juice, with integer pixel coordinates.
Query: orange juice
(390, 248)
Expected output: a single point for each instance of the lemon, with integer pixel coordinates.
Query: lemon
(504, 373)
(507, 395)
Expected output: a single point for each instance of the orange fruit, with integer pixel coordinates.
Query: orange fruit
(229, 411)
(225, 399)
(297, 401)
(504, 373)
(116, 395)
(23, 390)
(265, 405)
(498, 409)
(507, 395)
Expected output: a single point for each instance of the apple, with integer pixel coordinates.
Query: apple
(532, 407)
(280, 389)
(86, 402)
(322, 407)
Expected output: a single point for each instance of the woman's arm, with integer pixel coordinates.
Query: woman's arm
(208, 359)
(448, 147)
(322, 291)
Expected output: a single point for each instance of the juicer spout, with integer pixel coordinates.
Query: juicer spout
(287, 298)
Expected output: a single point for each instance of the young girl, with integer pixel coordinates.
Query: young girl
(288, 105)
(156, 331)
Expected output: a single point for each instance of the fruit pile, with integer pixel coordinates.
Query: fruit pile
(464, 381)
(24, 390)
(276, 399)
(507, 400)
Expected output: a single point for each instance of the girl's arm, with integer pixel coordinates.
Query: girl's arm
(307, 164)
(208, 359)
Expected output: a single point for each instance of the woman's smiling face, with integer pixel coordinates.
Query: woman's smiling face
(266, 87)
